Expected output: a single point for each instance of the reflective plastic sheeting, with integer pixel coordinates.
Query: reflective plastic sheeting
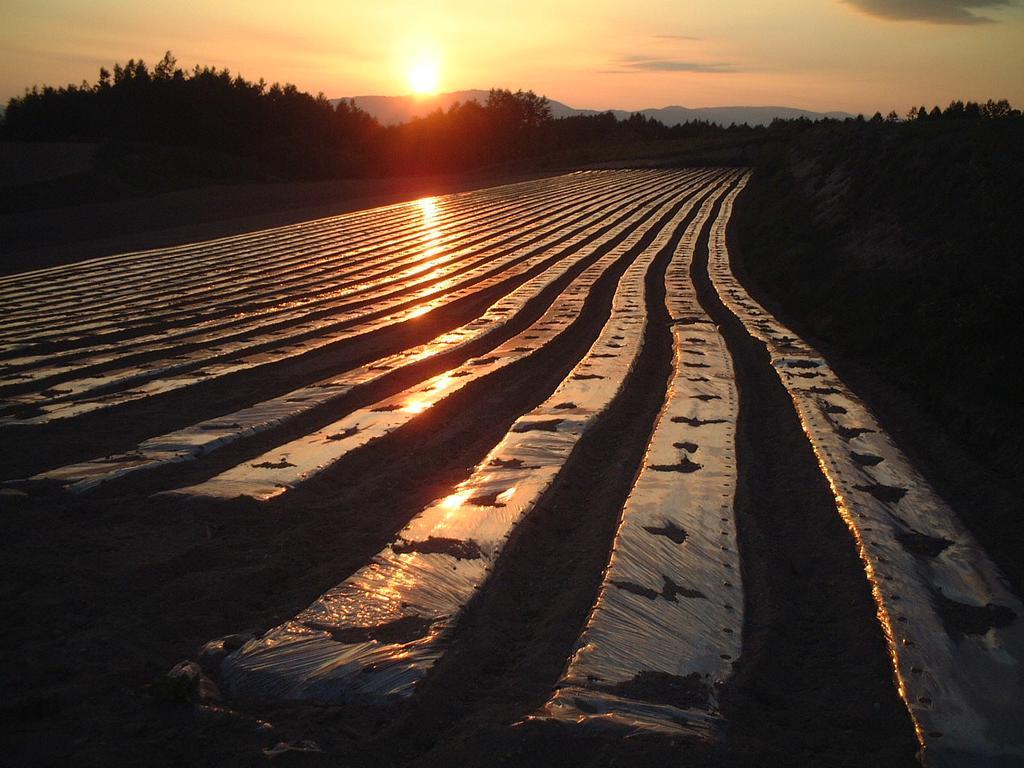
(90, 393)
(667, 625)
(288, 465)
(280, 466)
(185, 282)
(374, 637)
(321, 288)
(954, 629)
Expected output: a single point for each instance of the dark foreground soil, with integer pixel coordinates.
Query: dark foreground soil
(104, 594)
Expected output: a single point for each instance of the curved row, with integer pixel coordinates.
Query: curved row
(666, 628)
(200, 439)
(375, 635)
(953, 626)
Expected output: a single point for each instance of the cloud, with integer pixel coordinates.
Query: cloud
(932, 11)
(677, 37)
(635, 64)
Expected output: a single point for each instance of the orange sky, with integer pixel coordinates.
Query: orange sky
(853, 55)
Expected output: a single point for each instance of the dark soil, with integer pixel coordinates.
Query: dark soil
(806, 650)
(104, 594)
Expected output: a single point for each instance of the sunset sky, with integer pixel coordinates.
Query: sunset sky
(853, 55)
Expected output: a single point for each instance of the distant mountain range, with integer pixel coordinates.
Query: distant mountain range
(398, 109)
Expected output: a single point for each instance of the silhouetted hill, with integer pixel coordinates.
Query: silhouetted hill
(390, 110)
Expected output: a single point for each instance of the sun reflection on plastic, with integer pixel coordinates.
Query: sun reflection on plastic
(428, 207)
(455, 500)
(416, 406)
(505, 495)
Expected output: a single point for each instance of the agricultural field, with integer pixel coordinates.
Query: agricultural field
(515, 476)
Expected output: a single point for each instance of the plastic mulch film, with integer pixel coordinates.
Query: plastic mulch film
(295, 462)
(292, 327)
(247, 271)
(372, 638)
(666, 627)
(953, 626)
(200, 439)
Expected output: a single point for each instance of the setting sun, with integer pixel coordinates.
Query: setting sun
(424, 76)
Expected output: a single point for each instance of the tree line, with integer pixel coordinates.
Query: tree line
(297, 134)
(294, 134)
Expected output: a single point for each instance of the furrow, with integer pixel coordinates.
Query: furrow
(200, 439)
(325, 286)
(288, 465)
(378, 224)
(328, 262)
(63, 404)
(952, 625)
(376, 635)
(666, 628)
(302, 326)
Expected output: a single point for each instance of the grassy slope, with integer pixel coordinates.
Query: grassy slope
(898, 248)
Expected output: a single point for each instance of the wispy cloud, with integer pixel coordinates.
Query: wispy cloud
(637, 64)
(932, 11)
(677, 37)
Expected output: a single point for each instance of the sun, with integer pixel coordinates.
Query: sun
(424, 76)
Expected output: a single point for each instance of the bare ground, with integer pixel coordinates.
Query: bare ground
(105, 593)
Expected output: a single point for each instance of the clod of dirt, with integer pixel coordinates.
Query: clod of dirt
(866, 459)
(386, 408)
(347, 432)
(510, 464)
(670, 531)
(922, 544)
(186, 682)
(669, 590)
(685, 466)
(282, 464)
(695, 422)
(686, 446)
(487, 499)
(586, 376)
(637, 589)
(440, 545)
(848, 433)
(403, 630)
(890, 494)
(550, 425)
(705, 398)
(823, 390)
(662, 688)
(803, 364)
(963, 619)
(565, 406)
(214, 652)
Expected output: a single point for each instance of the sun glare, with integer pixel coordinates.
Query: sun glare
(424, 76)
